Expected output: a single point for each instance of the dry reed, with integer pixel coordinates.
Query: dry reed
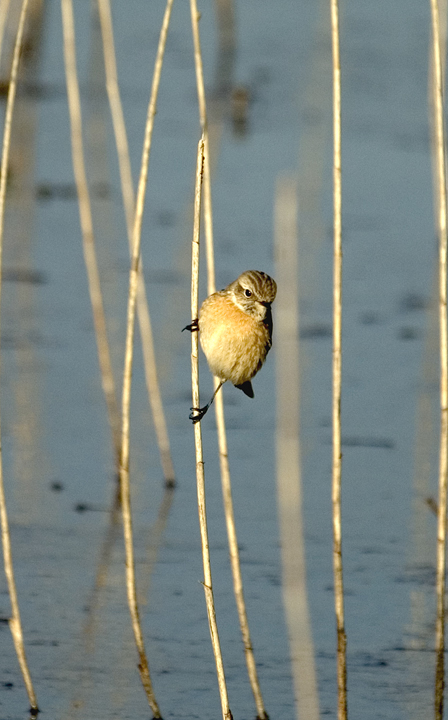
(443, 458)
(85, 216)
(289, 480)
(4, 7)
(208, 214)
(219, 403)
(200, 478)
(235, 559)
(15, 623)
(336, 371)
(127, 373)
(127, 190)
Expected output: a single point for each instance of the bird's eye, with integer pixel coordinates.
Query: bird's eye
(248, 293)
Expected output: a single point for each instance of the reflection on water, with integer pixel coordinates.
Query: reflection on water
(268, 81)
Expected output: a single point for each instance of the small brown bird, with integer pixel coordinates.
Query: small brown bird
(235, 326)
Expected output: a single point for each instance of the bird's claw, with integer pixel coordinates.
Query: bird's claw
(197, 414)
(193, 327)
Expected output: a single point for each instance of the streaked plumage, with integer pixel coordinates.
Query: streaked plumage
(235, 331)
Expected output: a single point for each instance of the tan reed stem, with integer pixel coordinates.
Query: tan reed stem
(337, 319)
(208, 214)
(85, 216)
(15, 623)
(4, 7)
(289, 476)
(443, 458)
(219, 405)
(127, 190)
(200, 478)
(235, 558)
(127, 374)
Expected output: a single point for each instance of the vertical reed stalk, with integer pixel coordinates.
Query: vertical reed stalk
(200, 478)
(443, 459)
(127, 374)
(4, 7)
(336, 410)
(235, 558)
(208, 214)
(15, 623)
(85, 216)
(289, 476)
(127, 190)
(219, 404)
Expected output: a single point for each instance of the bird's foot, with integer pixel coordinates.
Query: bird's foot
(193, 327)
(197, 414)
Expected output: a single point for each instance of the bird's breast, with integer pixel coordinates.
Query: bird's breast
(234, 343)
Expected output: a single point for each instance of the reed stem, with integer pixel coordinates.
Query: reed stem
(208, 214)
(127, 374)
(235, 558)
(200, 477)
(289, 476)
(336, 371)
(443, 457)
(4, 8)
(15, 622)
(85, 216)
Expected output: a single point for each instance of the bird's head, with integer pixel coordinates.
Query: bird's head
(253, 292)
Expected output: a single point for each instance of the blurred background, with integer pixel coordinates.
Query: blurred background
(268, 79)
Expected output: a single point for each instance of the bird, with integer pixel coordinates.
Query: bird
(235, 331)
